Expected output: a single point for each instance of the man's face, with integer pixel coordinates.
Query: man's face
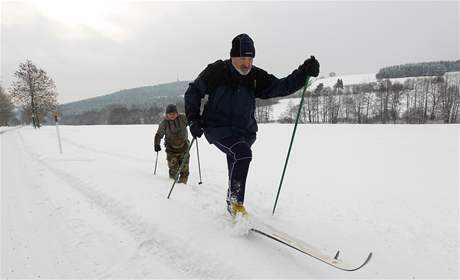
(242, 64)
(171, 116)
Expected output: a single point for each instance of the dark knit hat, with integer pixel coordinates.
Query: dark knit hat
(171, 108)
(242, 46)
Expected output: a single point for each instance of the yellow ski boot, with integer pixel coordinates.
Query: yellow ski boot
(237, 209)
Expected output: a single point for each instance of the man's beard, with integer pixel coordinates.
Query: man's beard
(242, 72)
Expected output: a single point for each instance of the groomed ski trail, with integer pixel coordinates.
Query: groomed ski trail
(174, 252)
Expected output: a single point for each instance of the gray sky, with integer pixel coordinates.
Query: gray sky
(92, 48)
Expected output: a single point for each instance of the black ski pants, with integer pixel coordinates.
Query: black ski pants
(239, 156)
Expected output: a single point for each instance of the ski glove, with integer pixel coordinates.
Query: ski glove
(195, 129)
(311, 67)
(157, 147)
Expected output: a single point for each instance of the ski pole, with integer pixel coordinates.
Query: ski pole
(199, 166)
(181, 166)
(56, 121)
(59, 137)
(292, 140)
(156, 161)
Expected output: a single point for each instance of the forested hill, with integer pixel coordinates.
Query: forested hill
(142, 97)
(435, 68)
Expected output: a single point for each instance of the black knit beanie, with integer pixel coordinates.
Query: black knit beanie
(242, 46)
(171, 108)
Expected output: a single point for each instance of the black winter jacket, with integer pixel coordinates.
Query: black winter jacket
(230, 108)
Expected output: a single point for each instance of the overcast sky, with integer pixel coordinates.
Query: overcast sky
(93, 48)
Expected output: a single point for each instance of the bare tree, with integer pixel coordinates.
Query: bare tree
(395, 100)
(408, 89)
(450, 99)
(456, 105)
(350, 105)
(383, 93)
(264, 110)
(337, 100)
(6, 108)
(426, 87)
(454, 90)
(34, 91)
(316, 96)
(415, 109)
(325, 106)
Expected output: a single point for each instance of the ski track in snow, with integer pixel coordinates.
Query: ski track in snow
(112, 154)
(42, 212)
(153, 242)
(150, 239)
(187, 259)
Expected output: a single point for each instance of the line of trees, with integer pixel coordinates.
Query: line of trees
(437, 68)
(116, 114)
(124, 114)
(419, 100)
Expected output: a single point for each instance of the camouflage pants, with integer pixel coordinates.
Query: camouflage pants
(174, 162)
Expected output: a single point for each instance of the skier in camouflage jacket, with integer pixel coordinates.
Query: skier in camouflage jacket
(174, 129)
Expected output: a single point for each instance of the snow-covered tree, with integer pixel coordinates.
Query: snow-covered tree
(35, 91)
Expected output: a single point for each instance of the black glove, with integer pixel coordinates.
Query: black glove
(157, 147)
(311, 67)
(195, 129)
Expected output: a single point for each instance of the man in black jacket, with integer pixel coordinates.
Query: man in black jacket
(228, 119)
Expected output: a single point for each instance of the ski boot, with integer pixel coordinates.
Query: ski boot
(182, 180)
(237, 209)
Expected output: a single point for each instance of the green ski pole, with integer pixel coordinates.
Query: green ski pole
(292, 140)
(199, 166)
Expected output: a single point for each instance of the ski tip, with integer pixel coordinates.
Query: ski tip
(369, 257)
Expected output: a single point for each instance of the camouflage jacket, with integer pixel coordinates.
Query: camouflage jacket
(175, 133)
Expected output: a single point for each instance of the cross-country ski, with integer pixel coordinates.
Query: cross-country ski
(307, 249)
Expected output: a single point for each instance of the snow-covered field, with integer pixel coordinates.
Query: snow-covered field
(98, 211)
(280, 108)
(355, 79)
(347, 80)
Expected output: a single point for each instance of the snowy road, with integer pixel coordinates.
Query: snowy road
(97, 210)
